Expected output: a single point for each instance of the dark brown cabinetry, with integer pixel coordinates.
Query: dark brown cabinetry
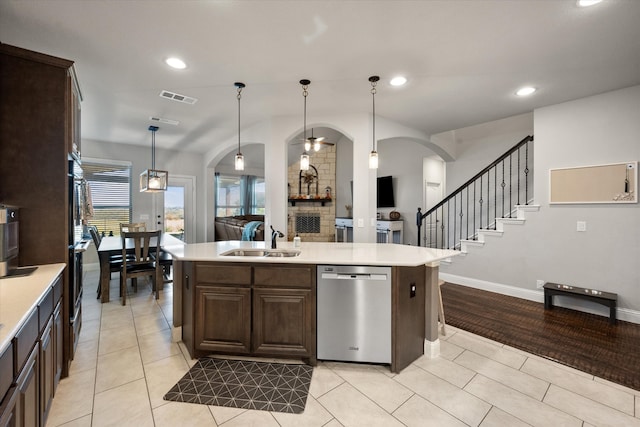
(39, 124)
(32, 364)
(249, 309)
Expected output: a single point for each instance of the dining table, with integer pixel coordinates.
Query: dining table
(112, 245)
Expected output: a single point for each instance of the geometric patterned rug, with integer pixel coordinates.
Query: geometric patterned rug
(245, 384)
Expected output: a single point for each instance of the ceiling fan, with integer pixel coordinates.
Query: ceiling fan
(314, 142)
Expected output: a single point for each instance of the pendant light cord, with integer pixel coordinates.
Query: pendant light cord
(374, 82)
(153, 149)
(304, 94)
(239, 86)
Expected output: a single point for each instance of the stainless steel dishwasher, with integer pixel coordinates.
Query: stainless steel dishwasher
(354, 313)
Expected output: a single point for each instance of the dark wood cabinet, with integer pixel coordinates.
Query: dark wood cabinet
(47, 369)
(39, 121)
(32, 364)
(27, 406)
(9, 407)
(282, 322)
(223, 319)
(57, 345)
(249, 309)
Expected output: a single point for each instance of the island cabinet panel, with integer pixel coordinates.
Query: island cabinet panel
(289, 276)
(224, 319)
(234, 274)
(249, 308)
(283, 321)
(407, 312)
(186, 281)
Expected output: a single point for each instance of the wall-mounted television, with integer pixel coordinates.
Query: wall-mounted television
(385, 192)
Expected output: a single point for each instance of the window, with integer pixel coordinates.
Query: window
(110, 184)
(239, 195)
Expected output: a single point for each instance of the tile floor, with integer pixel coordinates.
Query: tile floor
(126, 362)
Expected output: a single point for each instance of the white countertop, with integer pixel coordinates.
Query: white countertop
(19, 296)
(316, 253)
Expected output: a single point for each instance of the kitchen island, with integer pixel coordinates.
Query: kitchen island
(232, 298)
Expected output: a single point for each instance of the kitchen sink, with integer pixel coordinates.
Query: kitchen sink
(283, 253)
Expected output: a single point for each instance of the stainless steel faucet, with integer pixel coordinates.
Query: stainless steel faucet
(274, 235)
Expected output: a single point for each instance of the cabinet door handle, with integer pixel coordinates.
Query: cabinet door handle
(186, 281)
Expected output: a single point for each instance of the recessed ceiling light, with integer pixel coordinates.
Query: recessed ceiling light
(398, 81)
(587, 3)
(525, 91)
(176, 63)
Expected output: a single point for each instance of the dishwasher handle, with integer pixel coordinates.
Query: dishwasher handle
(353, 276)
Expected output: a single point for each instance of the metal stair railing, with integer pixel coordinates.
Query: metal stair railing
(505, 182)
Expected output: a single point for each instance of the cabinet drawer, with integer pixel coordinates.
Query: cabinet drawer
(57, 290)
(25, 339)
(45, 309)
(6, 370)
(235, 274)
(284, 275)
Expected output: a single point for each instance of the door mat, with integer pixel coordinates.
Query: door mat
(245, 384)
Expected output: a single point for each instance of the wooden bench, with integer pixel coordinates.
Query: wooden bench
(605, 298)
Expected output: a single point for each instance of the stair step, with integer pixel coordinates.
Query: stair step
(488, 232)
(466, 243)
(501, 221)
(521, 209)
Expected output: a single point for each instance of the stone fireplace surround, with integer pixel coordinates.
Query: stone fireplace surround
(325, 162)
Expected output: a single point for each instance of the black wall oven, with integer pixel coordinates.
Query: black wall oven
(76, 247)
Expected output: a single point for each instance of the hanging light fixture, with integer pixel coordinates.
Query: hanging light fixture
(304, 158)
(239, 156)
(153, 180)
(312, 142)
(373, 156)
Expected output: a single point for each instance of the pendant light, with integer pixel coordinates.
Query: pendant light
(373, 156)
(304, 158)
(239, 156)
(153, 180)
(312, 142)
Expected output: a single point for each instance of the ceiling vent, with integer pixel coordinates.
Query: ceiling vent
(177, 97)
(165, 121)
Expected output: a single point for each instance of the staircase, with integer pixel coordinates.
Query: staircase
(481, 234)
(497, 195)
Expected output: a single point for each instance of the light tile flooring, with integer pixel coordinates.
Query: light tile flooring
(126, 361)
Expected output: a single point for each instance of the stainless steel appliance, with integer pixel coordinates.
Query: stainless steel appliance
(354, 313)
(9, 241)
(76, 247)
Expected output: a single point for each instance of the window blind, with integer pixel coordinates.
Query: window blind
(110, 185)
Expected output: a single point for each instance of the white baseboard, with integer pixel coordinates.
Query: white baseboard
(625, 314)
(432, 348)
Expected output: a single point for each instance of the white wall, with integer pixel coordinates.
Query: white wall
(403, 159)
(477, 146)
(176, 162)
(595, 130)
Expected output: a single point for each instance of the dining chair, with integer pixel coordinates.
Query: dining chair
(142, 263)
(115, 261)
(133, 226)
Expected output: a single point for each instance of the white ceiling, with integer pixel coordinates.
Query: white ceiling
(464, 59)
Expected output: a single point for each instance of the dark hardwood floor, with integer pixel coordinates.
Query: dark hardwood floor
(581, 340)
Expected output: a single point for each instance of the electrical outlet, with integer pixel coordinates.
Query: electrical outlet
(539, 283)
(581, 226)
(360, 222)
